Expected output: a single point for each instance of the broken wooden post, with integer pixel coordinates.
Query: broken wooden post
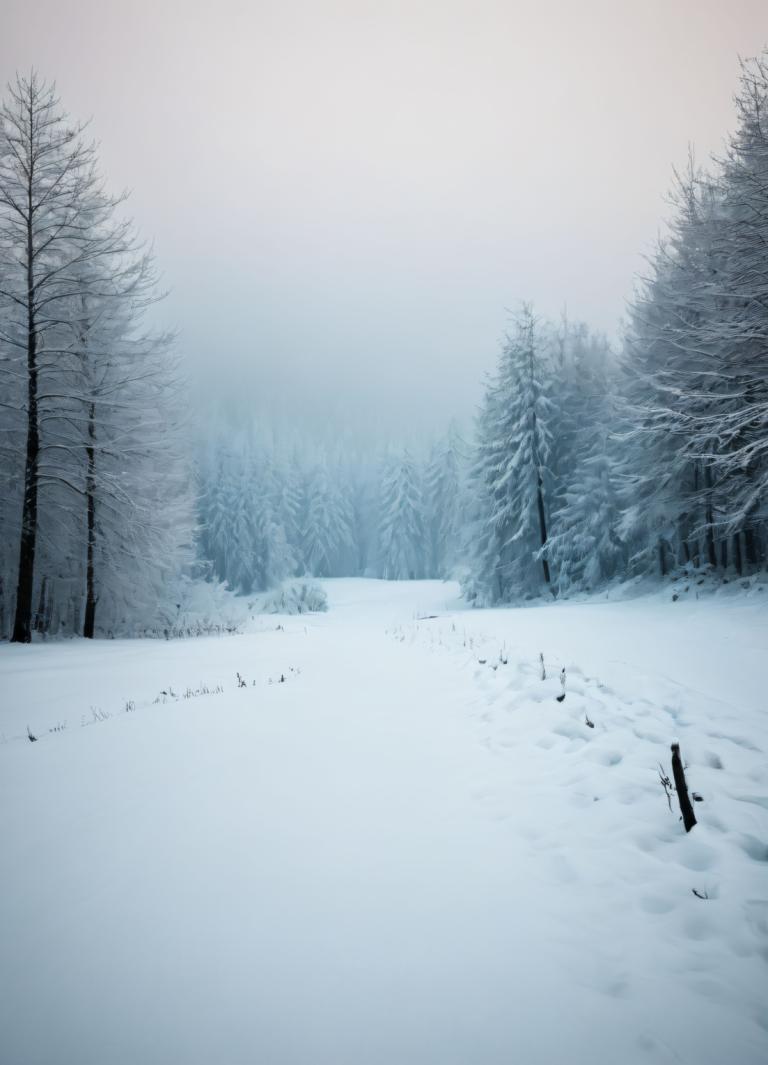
(678, 774)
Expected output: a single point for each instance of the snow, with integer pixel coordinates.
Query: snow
(407, 852)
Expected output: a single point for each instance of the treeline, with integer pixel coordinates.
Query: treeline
(588, 468)
(96, 511)
(268, 512)
(587, 465)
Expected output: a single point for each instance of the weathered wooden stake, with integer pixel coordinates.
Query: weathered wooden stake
(678, 774)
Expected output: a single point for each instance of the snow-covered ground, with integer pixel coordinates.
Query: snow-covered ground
(408, 852)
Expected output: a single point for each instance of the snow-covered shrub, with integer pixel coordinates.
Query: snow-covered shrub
(195, 608)
(298, 596)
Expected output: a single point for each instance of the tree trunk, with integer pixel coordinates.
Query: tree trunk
(737, 554)
(710, 520)
(42, 599)
(22, 626)
(89, 624)
(542, 524)
(539, 485)
(696, 554)
(48, 619)
(751, 548)
(683, 534)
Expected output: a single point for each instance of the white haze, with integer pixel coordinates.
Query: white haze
(346, 197)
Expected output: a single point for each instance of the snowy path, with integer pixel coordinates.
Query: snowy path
(400, 855)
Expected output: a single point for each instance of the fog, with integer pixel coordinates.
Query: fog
(346, 198)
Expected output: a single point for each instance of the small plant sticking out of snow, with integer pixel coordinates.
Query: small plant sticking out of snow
(241, 682)
(30, 737)
(561, 696)
(700, 894)
(202, 689)
(58, 727)
(129, 707)
(543, 667)
(666, 784)
(292, 671)
(587, 722)
(97, 715)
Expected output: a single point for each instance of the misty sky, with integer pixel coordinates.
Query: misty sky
(346, 196)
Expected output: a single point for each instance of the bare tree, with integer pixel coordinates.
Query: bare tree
(47, 174)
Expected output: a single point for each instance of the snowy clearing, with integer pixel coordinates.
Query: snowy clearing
(407, 852)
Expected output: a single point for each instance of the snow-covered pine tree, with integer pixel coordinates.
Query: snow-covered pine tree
(586, 550)
(736, 429)
(511, 479)
(672, 381)
(698, 399)
(363, 497)
(444, 499)
(242, 531)
(215, 502)
(289, 506)
(328, 538)
(584, 545)
(402, 540)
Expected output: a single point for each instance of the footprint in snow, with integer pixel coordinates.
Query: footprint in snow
(657, 904)
(754, 848)
(607, 758)
(739, 741)
(696, 856)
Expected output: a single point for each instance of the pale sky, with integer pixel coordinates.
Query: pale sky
(346, 197)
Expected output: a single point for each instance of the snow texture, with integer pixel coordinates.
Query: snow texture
(386, 841)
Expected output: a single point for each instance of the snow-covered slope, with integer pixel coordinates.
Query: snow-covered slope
(406, 851)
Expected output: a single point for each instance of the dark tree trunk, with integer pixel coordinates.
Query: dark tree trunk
(539, 488)
(22, 626)
(542, 524)
(710, 520)
(696, 550)
(48, 619)
(41, 602)
(683, 534)
(89, 624)
(737, 553)
(751, 547)
(662, 558)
